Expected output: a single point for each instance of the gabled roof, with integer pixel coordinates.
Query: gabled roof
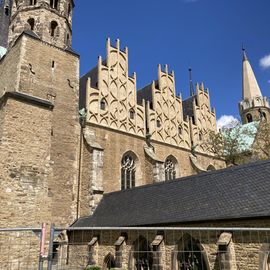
(234, 193)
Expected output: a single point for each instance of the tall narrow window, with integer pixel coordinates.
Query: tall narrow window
(31, 23)
(180, 130)
(33, 2)
(54, 25)
(54, 4)
(7, 10)
(158, 123)
(128, 170)
(103, 104)
(69, 10)
(68, 39)
(249, 118)
(170, 170)
(131, 114)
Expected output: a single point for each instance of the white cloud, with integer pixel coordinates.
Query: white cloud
(227, 121)
(265, 61)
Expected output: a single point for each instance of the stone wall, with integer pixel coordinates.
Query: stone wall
(25, 168)
(218, 249)
(10, 64)
(116, 144)
(45, 72)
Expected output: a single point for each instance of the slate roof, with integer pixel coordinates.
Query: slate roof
(234, 193)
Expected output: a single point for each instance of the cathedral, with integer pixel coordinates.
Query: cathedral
(72, 147)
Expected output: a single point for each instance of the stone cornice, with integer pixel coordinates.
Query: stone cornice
(28, 99)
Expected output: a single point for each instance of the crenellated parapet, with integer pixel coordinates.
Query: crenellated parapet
(111, 98)
(165, 121)
(202, 117)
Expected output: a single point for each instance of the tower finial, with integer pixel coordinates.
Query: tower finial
(191, 87)
(244, 53)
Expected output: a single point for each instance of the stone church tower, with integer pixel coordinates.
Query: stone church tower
(5, 12)
(39, 126)
(254, 106)
(51, 20)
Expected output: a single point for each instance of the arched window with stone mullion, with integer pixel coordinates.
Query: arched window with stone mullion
(170, 169)
(128, 172)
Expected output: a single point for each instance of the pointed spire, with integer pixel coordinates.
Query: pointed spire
(244, 53)
(250, 85)
(191, 87)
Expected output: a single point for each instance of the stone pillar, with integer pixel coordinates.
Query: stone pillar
(157, 264)
(158, 165)
(96, 169)
(119, 251)
(226, 253)
(93, 251)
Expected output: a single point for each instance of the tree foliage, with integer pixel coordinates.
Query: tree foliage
(261, 146)
(232, 143)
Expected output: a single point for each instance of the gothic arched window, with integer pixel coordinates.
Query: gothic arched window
(54, 25)
(142, 254)
(170, 168)
(249, 118)
(190, 255)
(128, 171)
(109, 262)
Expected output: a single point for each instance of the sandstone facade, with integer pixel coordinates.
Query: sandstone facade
(171, 249)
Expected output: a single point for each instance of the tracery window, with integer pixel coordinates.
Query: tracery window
(190, 255)
(143, 256)
(128, 170)
(170, 171)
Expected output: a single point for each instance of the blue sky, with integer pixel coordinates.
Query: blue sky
(204, 34)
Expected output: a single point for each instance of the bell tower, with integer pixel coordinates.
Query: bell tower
(50, 20)
(253, 106)
(39, 86)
